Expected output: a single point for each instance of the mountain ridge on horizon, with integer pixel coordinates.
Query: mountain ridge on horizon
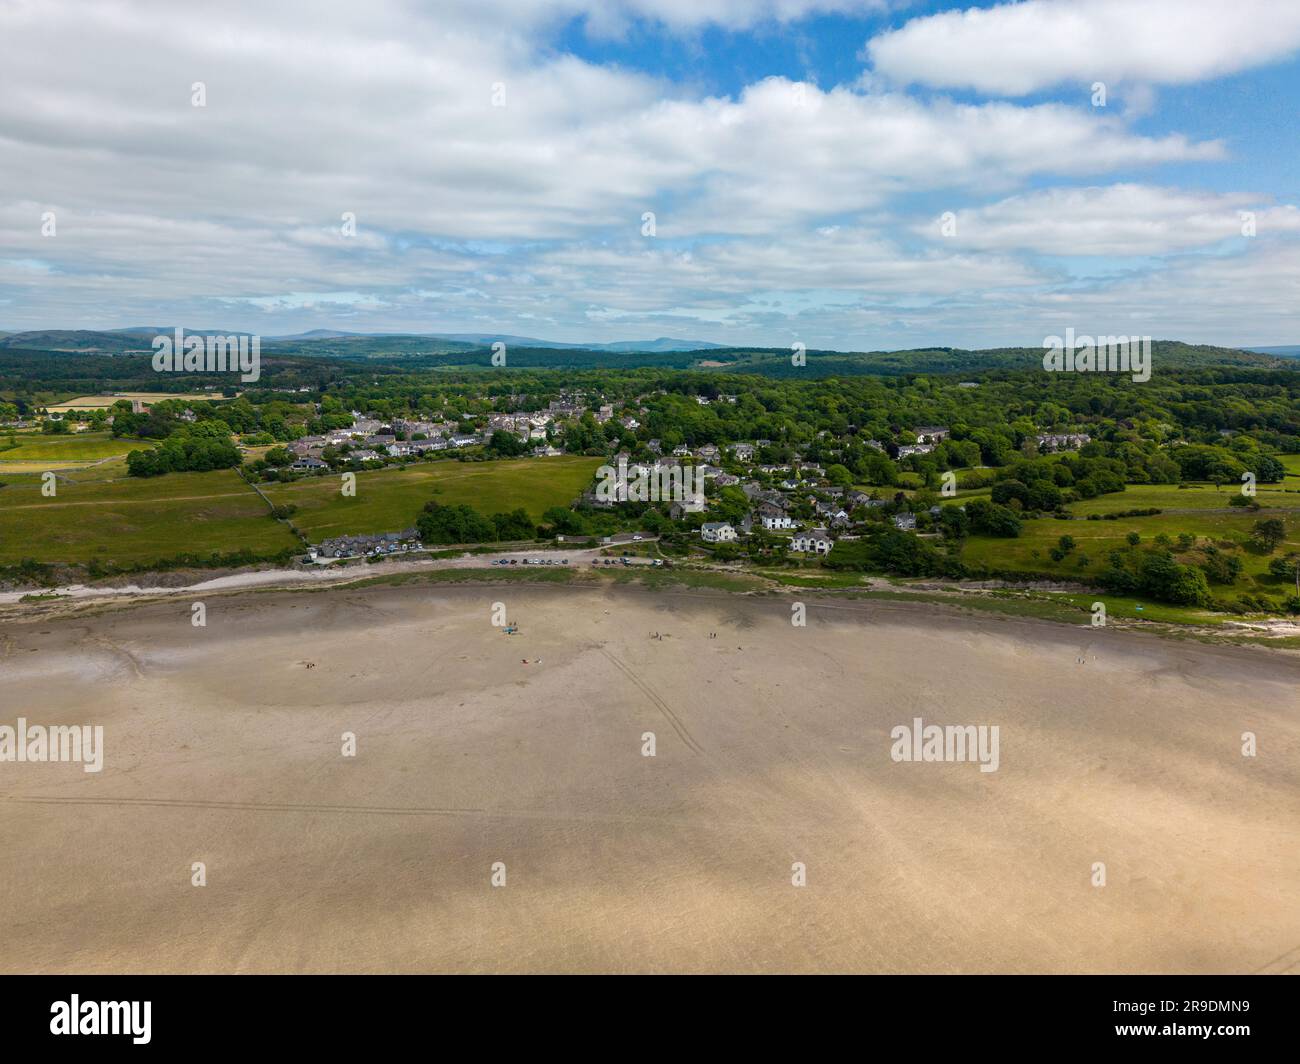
(659, 344)
(469, 348)
(94, 340)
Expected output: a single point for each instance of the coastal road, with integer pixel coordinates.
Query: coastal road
(335, 573)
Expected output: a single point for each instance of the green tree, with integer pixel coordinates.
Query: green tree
(1269, 533)
(990, 519)
(1287, 568)
(514, 525)
(507, 444)
(454, 524)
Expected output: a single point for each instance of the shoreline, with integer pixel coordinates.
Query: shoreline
(475, 746)
(999, 599)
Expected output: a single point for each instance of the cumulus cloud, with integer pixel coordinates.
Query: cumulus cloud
(776, 207)
(1121, 220)
(1020, 48)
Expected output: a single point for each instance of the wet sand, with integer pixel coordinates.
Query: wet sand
(223, 746)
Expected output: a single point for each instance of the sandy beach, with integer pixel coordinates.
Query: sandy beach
(223, 745)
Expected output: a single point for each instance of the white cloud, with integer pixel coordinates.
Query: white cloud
(1121, 220)
(1015, 49)
(772, 156)
(774, 207)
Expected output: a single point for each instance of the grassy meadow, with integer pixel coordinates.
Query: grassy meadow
(1200, 511)
(1195, 497)
(80, 447)
(390, 499)
(99, 513)
(130, 521)
(99, 402)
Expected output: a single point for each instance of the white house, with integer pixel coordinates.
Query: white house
(774, 521)
(817, 541)
(717, 532)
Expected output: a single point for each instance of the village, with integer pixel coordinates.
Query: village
(793, 504)
(722, 494)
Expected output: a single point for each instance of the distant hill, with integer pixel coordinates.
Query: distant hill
(98, 341)
(401, 351)
(775, 362)
(148, 332)
(1288, 351)
(112, 339)
(319, 334)
(81, 341)
(663, 343)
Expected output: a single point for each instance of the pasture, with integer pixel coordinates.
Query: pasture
(130, 521)
(388, 500)
(97, 402)
(79, 447)
(1195, 497)
(1095, 539)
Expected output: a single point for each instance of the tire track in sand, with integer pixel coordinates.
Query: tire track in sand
(659, 703)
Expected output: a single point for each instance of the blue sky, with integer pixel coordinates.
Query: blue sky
(841, 173)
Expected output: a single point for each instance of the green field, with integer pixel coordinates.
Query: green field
(133, 520)
(82, 447)
(1029, 552)
(97, 402)
(70, 472)
(1171, 498)
(129, 521)
(388, 500)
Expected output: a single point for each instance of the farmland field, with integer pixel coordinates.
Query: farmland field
(86, 446)
(1029, 552)
(133, 520)
(94, 402)
(1198, 497)
(388, 500)
(10, 468)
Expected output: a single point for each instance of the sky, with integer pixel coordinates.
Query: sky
(847, 174)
